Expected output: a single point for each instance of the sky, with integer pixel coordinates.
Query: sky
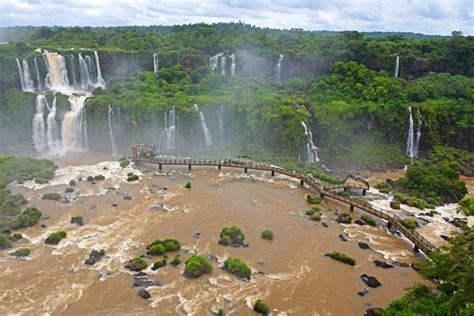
(428, 16)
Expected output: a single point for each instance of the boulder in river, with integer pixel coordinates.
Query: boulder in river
(359, 222)
(341, 237)
(363, 245)
(363, 292)
(344, 218)
(382, 264)
(144, 294)
(94, 257)
(370, 280)
(373, 312)
(324, 224)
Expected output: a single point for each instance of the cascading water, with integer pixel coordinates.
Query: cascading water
(155, 63)
(207, 133)
(112, 130)
(84, 73)
(39, 130)
(27, 84)
(100, 80)
(214, 61)
(232, 65)
(278, 68)
(418, 133)
(397, 67)
(410, 152)
(52, 132)
(223, 65)
(57, 73)
(168, 135)
(221, 123)
(311, 151)
(74, 126)
(39, 86)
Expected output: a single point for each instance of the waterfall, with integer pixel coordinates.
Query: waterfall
(232, 65)
(38, 79)
(418, 132)
(410, 152)
(112, 130)
(168, 135)
(207, 133)
(278, 68)
(397, 67)
(155, 63)
(74, 127)
(311, 151)
(100, 80)
(27, 84)
(221, 123)
(214, 61)
(52, 127)
(72, 68)
(57, 73)
(223, 65)
(84, 73)
(39, 130)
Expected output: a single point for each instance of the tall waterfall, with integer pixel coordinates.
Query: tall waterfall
(39, 130)
(232, 65)
(155, 63)
(311, 151)
(113, 124)
(278, 68)
(207, 133)
(52, 132)
(57, 77)
(74, 126)
(168, 135)
(38, 77)
(27, 84)
(221, 124)
(413, 140)
(100, 80)
(84, 73)
(223, 65)
(397, 67)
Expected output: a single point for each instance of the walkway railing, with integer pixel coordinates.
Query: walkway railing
(323, 189)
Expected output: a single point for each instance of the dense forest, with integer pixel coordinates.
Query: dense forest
(341, 84)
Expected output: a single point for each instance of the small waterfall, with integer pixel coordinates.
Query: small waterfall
(57, 73)
(214, 61)
(52, 133)
(168, 135)
(155, 63)
(232, 65)
(418, 132)
(74, 126)
(311, 151)
(72, 68)
(221, 123)
(410, 152)
(84, 73)
(223, 65)
(397, 67)
(38, 79)
(100, 80)
(207, 133)
(27, 84)
(278, 68)
(112, 130)
(39, 130)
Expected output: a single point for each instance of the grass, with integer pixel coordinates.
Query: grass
(341, 258)
(267, 234)
(368, 220)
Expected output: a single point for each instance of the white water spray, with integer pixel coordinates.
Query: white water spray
(207, 133)
(397, 67)
(112, 130)
(155, 63)
(52, 132)
(74, 126)
(311, 151)
(39, 129)
(412, 143)
(168, 135)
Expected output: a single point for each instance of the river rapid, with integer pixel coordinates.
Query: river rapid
(290, 273)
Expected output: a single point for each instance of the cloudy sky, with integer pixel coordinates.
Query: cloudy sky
(424, 16)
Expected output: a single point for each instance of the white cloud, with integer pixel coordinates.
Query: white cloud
(425, 16)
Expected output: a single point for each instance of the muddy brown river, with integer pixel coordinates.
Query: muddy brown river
(290, 273)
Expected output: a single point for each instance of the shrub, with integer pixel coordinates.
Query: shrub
(411, 224)
(102, 252)
(176, 261)
(124, 162)
(466, 206)
(309, 212)
(55, 237)
(384, 187)
(77, 220)
(172, 244)
(90, 178)
(344, 194)
(159, 264)
(313, 199)
(16, 237)
(238, 268)
(69, 190)
(41, 180)
(51, 196)
(4, 242)
(196, 265)
(369, 220)
(22, 252)
(341, 258)
(28, 218)
(395, 204)
(316, 208)
(132, 177)
(188, 185)
(99, 177)
(267, 234)
(260, 307)
(220, 312)
(225, 241)
(156, 250)
(235, 235)
(316, 218)
(72, 182)
(136, 264)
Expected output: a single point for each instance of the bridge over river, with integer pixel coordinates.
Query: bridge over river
(142, 155)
